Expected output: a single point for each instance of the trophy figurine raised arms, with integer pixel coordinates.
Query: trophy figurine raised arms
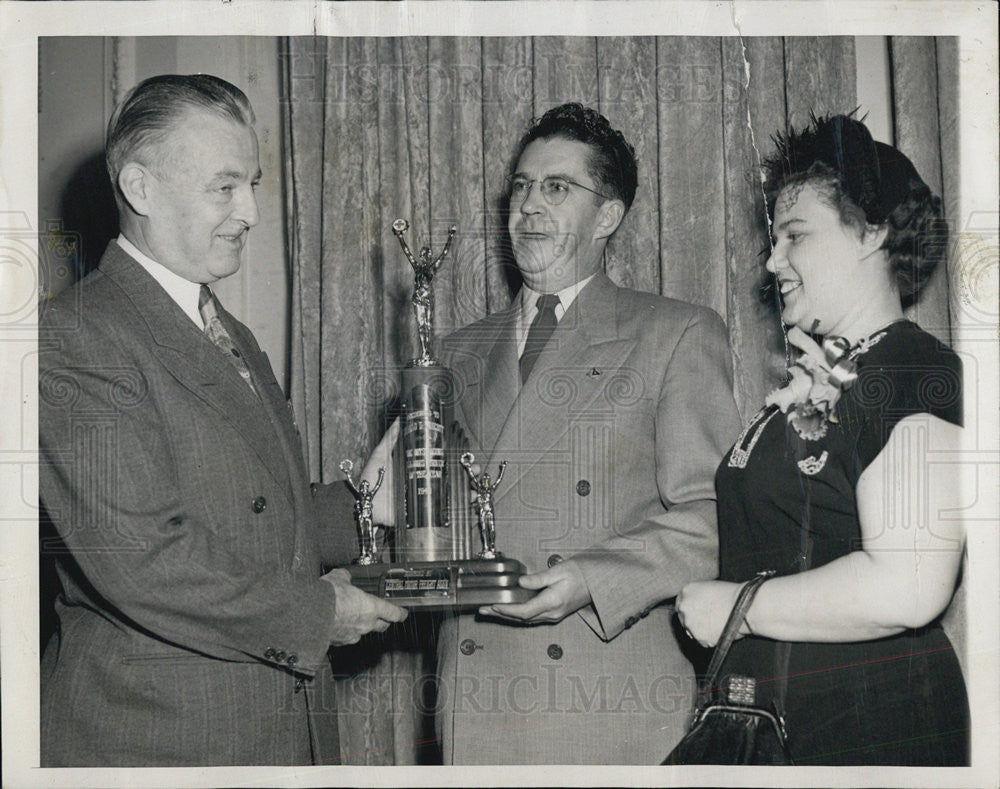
(423, 289)
(484, 488)
(432, 561)
(364, 493)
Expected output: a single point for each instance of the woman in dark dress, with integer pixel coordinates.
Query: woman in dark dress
(833, 484)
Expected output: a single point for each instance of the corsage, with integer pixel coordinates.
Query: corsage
(816, 380)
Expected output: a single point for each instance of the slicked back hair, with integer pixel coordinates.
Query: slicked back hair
(154, 107)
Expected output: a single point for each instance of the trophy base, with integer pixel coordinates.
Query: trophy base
(448, 584)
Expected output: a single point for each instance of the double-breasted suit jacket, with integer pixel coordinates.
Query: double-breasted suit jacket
(612, 445)
(192, 615)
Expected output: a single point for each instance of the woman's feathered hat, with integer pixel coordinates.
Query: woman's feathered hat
(875, 176)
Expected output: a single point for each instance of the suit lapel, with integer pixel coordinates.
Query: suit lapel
(272, 401)
(490, 373)
(292, 471)
(293, 468)
(192, 358)
(572, 376)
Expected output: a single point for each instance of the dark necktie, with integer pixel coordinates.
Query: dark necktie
(217, 334)
(539, 332)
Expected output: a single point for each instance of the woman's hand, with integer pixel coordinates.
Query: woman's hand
(703, 607)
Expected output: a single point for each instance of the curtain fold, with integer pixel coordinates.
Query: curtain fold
(690, 163)
(750, 109)
(425, 129)
(917, 133)
(628, 83)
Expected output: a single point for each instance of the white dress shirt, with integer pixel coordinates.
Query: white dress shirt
(184, 292)
(529, 308)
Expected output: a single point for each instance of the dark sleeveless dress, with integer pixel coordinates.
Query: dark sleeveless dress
(899, 700)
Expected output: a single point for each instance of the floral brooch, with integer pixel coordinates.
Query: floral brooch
(817, 379)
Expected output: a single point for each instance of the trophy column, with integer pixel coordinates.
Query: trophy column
(426, 534)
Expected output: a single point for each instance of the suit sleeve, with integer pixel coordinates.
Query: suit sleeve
(696, 420)
(148, 559)
(338, 534)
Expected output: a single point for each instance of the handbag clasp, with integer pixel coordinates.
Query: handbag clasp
(741, 690)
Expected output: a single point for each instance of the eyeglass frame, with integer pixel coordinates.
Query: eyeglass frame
(530, 182)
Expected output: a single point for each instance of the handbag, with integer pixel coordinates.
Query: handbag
(727, 727)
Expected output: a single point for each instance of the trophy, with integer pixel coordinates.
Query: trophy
(432, 559)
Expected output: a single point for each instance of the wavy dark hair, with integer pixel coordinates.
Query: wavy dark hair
(869, 183)
(611, 163)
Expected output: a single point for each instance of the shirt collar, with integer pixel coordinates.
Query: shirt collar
(566, 296)
(184, 292)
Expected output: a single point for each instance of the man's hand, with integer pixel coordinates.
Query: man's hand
(563, 591)
(358, 612)
(383, 505)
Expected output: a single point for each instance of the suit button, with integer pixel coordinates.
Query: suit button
(554, 651)
(553, 560)
(292, 659)
(468, 646)
(583, 487)
(280, 657)
(269, 653)
(299, 684)
(259, 504)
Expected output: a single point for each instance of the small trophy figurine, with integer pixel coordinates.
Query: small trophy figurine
(364, 493)
(484, 488)
(423, 291)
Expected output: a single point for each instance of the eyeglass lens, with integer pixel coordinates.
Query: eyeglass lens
(554, 190)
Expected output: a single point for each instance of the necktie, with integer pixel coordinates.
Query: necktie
(539, 332)
(217, 334)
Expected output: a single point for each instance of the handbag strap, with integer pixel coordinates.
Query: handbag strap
(732, 628)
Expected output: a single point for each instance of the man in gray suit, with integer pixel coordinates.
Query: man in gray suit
(612, 408)
(194, 617)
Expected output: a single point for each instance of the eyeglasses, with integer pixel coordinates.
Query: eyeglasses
(554, 188)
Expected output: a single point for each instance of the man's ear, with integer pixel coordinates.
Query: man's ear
(610, 216)
(135, 186)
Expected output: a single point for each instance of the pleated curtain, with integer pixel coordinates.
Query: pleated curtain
(425, 129)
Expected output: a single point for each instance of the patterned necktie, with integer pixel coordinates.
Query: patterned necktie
(219, 336)
(538, 333)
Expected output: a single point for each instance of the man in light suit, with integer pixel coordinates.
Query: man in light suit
(194, 616)
(612, 409)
